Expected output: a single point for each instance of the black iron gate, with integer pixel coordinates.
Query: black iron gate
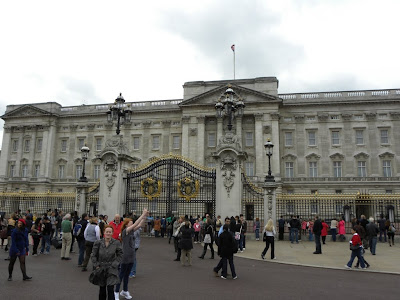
(171, 185)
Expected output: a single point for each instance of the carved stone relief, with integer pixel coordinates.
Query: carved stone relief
(193, 131)
(267, 129)
(228, 167)
(229, 140)
(110, 167)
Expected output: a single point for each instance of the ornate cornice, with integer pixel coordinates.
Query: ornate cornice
(323, 117)
(91, 126)
(370, 116)
(275, 116)
(289, 156)
(347, 116)
(313, 156)
(337, 156)
(166, 123)
(185, 119)
(258, 116)
(386, 154)
(395, 115)
(201, 119)
(146, 124)
(73, 127)
(361, 155)
(299, 118)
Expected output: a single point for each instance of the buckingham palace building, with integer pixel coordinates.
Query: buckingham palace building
(325, 143)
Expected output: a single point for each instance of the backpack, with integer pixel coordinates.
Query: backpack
(77, 229)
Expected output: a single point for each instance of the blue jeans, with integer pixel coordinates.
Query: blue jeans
(310, 238)
(81, 245)
(354, 254)
(133, 270)
(45, 242)
(257, 233)
(382, 232)
(124, 277)
(294, 232)
(333, 233)
(372, 244)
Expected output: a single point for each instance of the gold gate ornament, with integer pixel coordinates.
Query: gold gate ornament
(188, 188)
(151, 188)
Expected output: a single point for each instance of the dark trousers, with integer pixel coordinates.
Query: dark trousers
(88, 252)
(36, 241)
(268, 242)
(162, 232)
(124, 276)
(281, 232)
(225, 266)
(323, 239)
(318, 244)
(81, 245)
(106, 290)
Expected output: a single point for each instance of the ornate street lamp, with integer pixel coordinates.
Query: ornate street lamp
(85, 153)
(269, 147)
(229, 104)
(119, 112)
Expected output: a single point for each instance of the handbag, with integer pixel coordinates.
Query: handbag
(207, 239)
(264, 237)
(237, 234)
(354, 247)
(3, 233)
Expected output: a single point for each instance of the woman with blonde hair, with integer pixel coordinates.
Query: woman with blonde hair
(268, 237)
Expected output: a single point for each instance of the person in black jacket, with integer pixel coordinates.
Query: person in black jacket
(317, 233)
(46, 232)
(208, 239)
(226, 248)
(80, 238)
(186, 244)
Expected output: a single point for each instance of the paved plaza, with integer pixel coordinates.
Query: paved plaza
(159, 277)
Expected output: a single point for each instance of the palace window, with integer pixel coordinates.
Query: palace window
(249, 168)
(312, 140)
(384, 136)
(313, 169)
(249, 139)
(362, 169)
(387, 169)
(99, 144)
(288, 139)
(27, 144)
(156, 142)
(176, 142)
(63, 145)
(211, 139)
(81, 143)
(337, 169)
(39, 144)
(61, 171)
(96, 172)
(37, 170)
(335, 138)
(289, 172)
(78, 171)
(14, 146)
(12, 170)
(24, 171)
(359, 137)
(136, 143)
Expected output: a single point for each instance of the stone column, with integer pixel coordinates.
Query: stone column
(50, 150)
(220, 130)
(200, 139)
(116, 162)
(80, 198)
(5, 152)
(259, 145)
(239, 121)
(269, 201)
(228, 158)
(32, 151)
(185, 136)
(276, 157)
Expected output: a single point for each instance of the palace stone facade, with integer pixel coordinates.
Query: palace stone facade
(330, 142)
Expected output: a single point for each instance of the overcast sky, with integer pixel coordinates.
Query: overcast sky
(87, 52)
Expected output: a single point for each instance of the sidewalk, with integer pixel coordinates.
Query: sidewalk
(334, 255)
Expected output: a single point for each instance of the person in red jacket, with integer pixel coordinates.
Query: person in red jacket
(356, 248)
(116, 225)
(324, 231)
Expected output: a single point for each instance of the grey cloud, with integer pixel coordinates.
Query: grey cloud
(259, 52)
(77, 91)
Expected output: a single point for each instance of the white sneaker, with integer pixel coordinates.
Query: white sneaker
(116, 296)
(125, 294)
(347, 267)
(244, 248)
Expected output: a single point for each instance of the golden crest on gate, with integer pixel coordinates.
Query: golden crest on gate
(188, 188)
(151, 187)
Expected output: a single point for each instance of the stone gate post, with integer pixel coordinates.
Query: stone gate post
(269, 201)
(80, 197)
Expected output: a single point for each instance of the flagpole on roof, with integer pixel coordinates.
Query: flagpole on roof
(234, 61)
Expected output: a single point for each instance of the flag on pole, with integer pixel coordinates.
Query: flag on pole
(233, 47)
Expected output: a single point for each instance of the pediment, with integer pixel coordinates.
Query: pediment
(386, 155)
(361, 155)
(337, 155)
(62, 161)
(245, 94)
(289, 157)
(27, 110)
(313, 156)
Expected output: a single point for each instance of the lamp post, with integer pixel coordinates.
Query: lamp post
(119, 112)
(85, 153)
(229, 104)
(269, 147)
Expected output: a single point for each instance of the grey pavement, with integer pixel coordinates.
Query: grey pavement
(334, 255)
(159, 277)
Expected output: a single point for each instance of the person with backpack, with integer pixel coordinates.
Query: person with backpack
(79, 231)
(390, 232)
(91, 234)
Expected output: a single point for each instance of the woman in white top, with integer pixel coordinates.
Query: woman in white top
(269, 233)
